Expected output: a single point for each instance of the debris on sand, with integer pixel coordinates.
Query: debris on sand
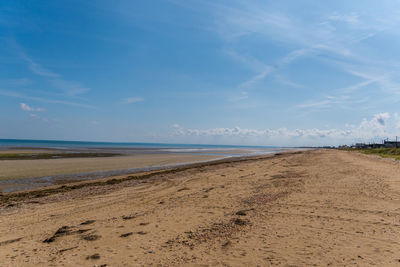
(91, 237)
(141, 233)
(226, 244)
(87, 222)
(182, 189)
(81, 231)
(64, 230)
(126, 234)
(240, 222)
(241, 213)
(10, 241)
(129, 217)
(95, 256)
(66, 249)
(112, 181)
(68, 230)
(216, 231)
(209, 189)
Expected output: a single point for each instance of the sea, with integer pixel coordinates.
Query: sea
(136, 147)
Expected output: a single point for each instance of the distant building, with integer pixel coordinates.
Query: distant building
(360, 145)
(373, 145)
(392, 143)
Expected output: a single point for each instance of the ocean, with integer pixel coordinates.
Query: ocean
(135, 147)
(57, 144)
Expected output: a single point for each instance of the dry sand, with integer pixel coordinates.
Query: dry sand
(16, 169)
(322, 207)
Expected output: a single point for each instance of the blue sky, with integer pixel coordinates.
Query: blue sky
(211, 72)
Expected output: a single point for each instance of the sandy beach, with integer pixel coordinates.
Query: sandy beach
(19, 169)
(320, 207)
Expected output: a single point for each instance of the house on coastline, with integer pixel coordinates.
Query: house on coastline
(386, 143)
(363, 146)
(390, 144)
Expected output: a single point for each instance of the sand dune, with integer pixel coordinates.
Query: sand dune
(322, 207)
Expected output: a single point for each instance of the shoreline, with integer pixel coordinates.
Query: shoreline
(141, 173)
(61, 179)
(22, 174)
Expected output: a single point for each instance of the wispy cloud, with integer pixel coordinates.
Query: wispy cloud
(285, 81)
(332, 101)
(16, 82)
(352, 18)
(262, 69)
(69, 87)
(130, 100)
(37, 68)
(336, 35)
(238, 97)
(25, 107)
(249, 83)
(41, 99)
(357, 86)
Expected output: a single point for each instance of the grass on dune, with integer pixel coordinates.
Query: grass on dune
(383, 152)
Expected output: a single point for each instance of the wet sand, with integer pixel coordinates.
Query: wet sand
(25, 168)
(18, 169)
(322, 207)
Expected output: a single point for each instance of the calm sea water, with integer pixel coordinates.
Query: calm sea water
(83, 144)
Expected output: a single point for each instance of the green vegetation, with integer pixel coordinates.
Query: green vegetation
(383, 152)
(17, 156)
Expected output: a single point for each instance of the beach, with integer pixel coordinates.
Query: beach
(302, 208)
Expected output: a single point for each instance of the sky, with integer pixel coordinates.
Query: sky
(283, 73)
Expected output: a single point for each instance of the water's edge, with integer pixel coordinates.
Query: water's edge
(21, 184)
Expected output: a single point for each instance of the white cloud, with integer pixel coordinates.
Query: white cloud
(25, 107)
(131, 100)
(375, 129)
(379, 120)
(178, 130)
